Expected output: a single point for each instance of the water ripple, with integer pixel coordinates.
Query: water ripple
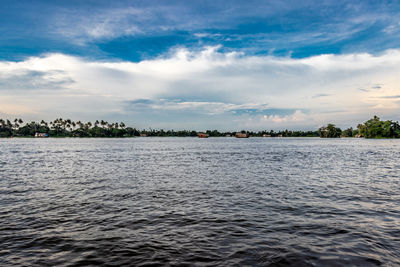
(201, 202)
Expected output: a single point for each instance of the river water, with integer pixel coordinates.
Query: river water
(201, 202)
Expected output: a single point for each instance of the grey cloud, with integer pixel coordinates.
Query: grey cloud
(34, 80)
(204, 107)
(320, 95)
(390, 96)
(141, 101)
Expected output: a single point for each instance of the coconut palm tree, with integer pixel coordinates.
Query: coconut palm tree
(16, 125)
(9, 124)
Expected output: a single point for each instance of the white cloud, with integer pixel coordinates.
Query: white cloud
(99, 24)
(392, 28)
(297, 116)
(209, 83)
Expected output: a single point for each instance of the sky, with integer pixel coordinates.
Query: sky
(226, 65)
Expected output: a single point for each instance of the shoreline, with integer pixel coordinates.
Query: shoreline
(67, 128)
(233, 137)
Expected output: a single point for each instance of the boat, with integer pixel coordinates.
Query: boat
(41, 135)
(241, 135)
(202, 135)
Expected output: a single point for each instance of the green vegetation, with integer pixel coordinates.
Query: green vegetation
(373, 128)
(329, 131)
(66, 128)
(69, 128)
(350, 132)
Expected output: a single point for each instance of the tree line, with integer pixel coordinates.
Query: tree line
(68, 128)
(65, 128)
(373, 128)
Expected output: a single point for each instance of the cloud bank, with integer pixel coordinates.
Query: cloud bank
(206, 89)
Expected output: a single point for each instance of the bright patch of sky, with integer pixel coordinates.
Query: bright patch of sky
(201, 64)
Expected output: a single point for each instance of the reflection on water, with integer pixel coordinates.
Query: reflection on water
(206, 202)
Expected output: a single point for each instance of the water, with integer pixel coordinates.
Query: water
(202, 202)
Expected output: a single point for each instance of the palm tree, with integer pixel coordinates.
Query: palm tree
(16, 125)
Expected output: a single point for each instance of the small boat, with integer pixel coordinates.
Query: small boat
(202, 135)
(41, 135)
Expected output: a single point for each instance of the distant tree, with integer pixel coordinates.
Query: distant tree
(375, 128)
(348, 132)
(329, 131)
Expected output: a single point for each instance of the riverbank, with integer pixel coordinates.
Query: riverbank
(60, 128)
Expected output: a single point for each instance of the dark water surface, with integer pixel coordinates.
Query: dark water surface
(202, 202)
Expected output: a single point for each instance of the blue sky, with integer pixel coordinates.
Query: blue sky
(201, 64)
